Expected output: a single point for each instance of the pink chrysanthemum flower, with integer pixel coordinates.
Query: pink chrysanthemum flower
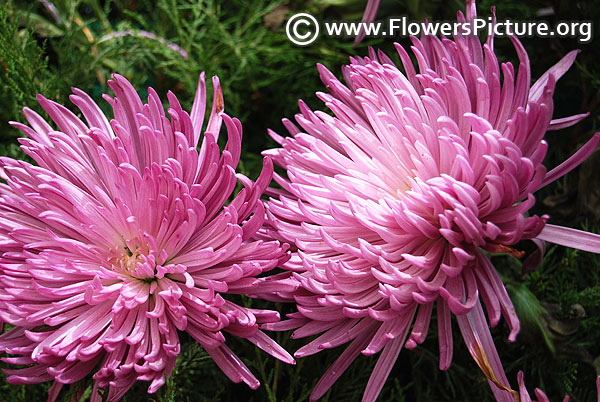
(122, 236)
(393, 202)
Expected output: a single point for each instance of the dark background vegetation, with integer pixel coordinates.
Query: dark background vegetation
(263, 75)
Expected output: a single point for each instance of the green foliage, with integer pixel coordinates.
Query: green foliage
(24, 72)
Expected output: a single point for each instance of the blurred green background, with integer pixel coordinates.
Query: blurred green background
(263, 75)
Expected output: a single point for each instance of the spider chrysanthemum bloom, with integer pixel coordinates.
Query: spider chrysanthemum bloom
(123, 236)
(393, 202)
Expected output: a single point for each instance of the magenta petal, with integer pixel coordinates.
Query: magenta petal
(232, 366)
(564, 122)
(575, 160)
(339, 366)
(382, 369)
(571, 238)
(368, 16)
(556, 70)
(477, 336)
(535, 258)
(268, 345)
